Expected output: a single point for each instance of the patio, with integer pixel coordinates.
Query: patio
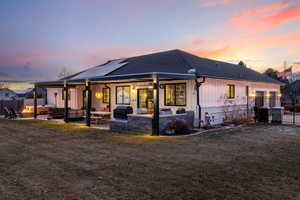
(147, 83)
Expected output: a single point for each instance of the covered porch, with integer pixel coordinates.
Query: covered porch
(97, 98)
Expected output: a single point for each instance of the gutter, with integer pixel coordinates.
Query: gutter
(198, 85)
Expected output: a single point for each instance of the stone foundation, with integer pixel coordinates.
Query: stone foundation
(143, 123)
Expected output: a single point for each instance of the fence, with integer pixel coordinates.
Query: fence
(17, 105)
(219, 117)
(291, 118)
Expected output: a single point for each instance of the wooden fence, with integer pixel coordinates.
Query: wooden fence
(17, 105)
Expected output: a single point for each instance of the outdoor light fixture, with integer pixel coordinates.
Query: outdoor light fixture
(253, 94)
(99, 95)
(279, 95)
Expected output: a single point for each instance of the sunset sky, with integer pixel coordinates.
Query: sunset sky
(40, 37)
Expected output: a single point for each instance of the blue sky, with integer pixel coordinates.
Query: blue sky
(38, 37)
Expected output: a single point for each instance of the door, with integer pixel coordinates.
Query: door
(145, 99)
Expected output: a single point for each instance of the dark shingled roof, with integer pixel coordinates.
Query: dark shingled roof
(178, 61)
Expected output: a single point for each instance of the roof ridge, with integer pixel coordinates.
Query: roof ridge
(179, 52)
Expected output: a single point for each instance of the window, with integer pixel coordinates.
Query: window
(123, 95)
(230, 91)
(175, 94)
(106, 95)
(63, 95)
(145, 99)
(272, 99)
(259, 99)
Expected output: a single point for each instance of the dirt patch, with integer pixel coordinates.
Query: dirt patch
(42, 160)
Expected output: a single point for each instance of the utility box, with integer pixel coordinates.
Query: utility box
(277, 115)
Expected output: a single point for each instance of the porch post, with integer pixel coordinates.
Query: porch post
(88, 94)
(66, 110)
(35, 102)
(155, 121)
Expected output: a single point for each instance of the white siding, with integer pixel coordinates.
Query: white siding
(59, 102)
(213, 95)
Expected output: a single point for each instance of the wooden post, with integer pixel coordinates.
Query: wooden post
(35, 94)
(155, 120)
(66, 99)
(88, 94)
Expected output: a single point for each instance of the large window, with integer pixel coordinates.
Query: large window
(106, 95)
(123, 95)
(272, 99)
(175, 94)
(230, 91)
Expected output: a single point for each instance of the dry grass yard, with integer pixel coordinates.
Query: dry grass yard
(47, 160)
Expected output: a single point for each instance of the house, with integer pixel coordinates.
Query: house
(291, 92)
(28, 96)
(164, 84)
(16, 84)
(7, 94)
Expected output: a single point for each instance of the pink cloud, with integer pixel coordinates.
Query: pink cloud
(266, 17)
(211, 53)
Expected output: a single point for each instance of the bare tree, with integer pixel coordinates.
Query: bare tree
(64, 73)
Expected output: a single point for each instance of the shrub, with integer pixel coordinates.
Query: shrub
(178, 127)
(291, 108)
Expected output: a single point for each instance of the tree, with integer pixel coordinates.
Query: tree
(64, 73)
(241, 63)
(272, 73)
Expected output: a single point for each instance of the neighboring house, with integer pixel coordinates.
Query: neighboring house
(181, 80)
(7, 94)
(289, 91)
(16, 85)
(28, 96)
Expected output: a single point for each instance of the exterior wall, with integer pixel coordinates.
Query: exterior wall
(213, 96)
(30, 102)
(97, 103)
(191, 95)
(73, 102)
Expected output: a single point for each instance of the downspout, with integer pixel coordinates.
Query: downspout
(198, 85)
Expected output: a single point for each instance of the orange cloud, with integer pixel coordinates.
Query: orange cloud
(266, 17)
(248, 14)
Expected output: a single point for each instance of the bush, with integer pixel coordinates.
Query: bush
(178, 127)
(291, 108)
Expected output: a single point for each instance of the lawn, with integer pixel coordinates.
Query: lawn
(47, 160)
